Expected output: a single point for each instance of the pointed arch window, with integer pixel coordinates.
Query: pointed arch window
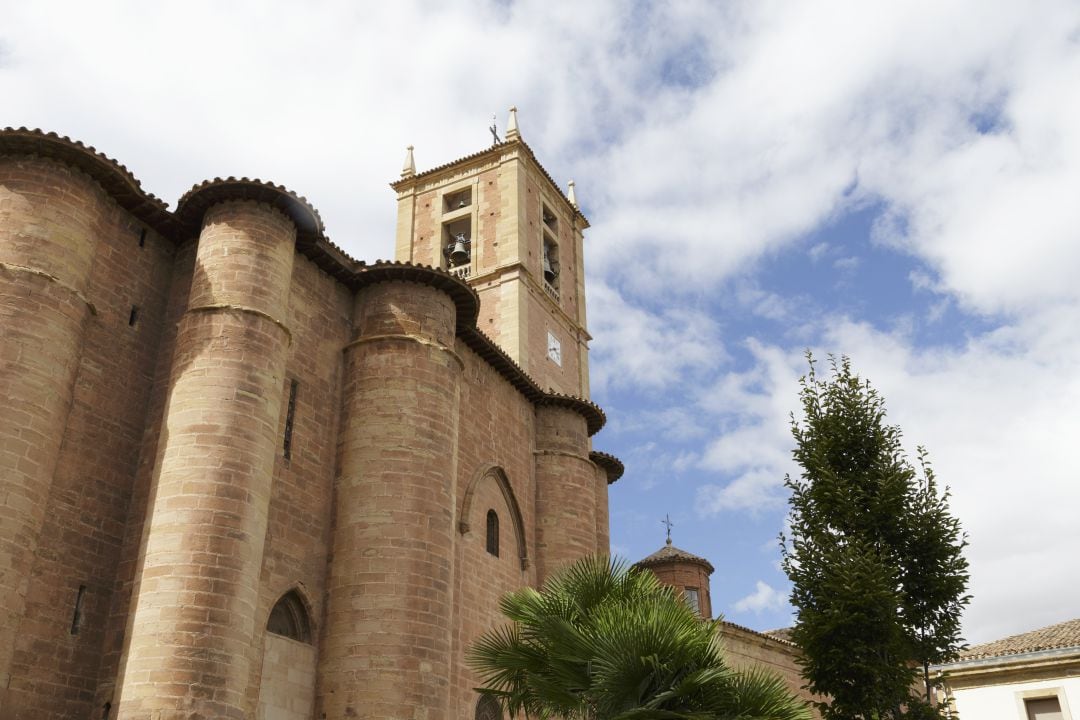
(289, 618)
(488, 708)
(493, 533)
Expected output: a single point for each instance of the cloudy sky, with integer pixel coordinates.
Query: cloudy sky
(898, 182)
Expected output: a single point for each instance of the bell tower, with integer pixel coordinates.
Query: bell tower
(497, 220)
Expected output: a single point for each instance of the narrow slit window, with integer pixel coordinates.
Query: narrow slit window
(142, 237)
(77, 615)
(290, 417)
(493, 533)
(133, 316)
(693, 599)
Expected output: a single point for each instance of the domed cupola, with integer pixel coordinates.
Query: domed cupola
(684, 571)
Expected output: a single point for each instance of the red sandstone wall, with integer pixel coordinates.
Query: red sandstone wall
(496, 431)
(53, 670)
(123, 578)
(197, 594)
(683, 575)
(96, 514)
(298, 530)
(745, 649)
(486, 239)
(386, 650)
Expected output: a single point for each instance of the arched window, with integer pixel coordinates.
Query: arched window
(488, 708)
(289, 618)
(493, 533)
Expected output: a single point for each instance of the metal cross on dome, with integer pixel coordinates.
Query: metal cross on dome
(667, 522)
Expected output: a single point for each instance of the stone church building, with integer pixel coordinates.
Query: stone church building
(245, 475)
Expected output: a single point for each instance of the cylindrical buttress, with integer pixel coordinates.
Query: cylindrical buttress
(49, 227)
(603, 535)
(197, 591)
(386, 648)
(565, 490)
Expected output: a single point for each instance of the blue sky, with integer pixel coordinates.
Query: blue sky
(898, 182)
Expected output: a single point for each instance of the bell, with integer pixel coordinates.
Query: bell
(549, 271)
(460, 254)
(462, 203)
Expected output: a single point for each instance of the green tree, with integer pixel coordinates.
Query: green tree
(874, 556)
(603, 642)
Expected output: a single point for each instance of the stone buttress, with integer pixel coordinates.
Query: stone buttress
(565, 490)
(49, 217)
(194, 608)
(386, 649)
(223, 423)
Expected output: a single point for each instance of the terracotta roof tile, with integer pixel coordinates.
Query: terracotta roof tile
(311, 240)
(1052, 637)
(497, 147)
(780, 634)
(609, 463)
(669, 553)
(773, 635)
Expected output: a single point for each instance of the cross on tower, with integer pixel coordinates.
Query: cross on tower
(667, 522)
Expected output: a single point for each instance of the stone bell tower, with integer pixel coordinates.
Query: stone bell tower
(497, 220)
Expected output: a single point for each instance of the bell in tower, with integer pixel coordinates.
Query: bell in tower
(496, 220)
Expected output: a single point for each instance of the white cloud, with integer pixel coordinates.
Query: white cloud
(764, 598)
(999, 418)
(650, 350)
(703, 137)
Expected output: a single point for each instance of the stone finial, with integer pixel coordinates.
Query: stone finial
(571, 195)
(409, 168)
(511, 125)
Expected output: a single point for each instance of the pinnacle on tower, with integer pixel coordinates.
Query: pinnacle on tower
(571, 195)
(511, 126)
(409, 168)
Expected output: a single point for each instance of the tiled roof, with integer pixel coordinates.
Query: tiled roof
(1053, 637)
(774, 635)
(609, 463)
(493, 150)
(780, 634)
(669, 553)
(311, 240)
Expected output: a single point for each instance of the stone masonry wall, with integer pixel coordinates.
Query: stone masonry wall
(496, 436)
(198, 578)
(147, 387)
(565, 494)
(301, 501)
(684, 575)
(98, 374)
(123, 577)
(747, 649)
(386, 650)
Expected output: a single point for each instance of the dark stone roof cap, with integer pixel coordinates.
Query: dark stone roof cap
(466, 301)
(669, 554)
(113, 177)
(311, 241)
(196, 201)
(609, 464)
